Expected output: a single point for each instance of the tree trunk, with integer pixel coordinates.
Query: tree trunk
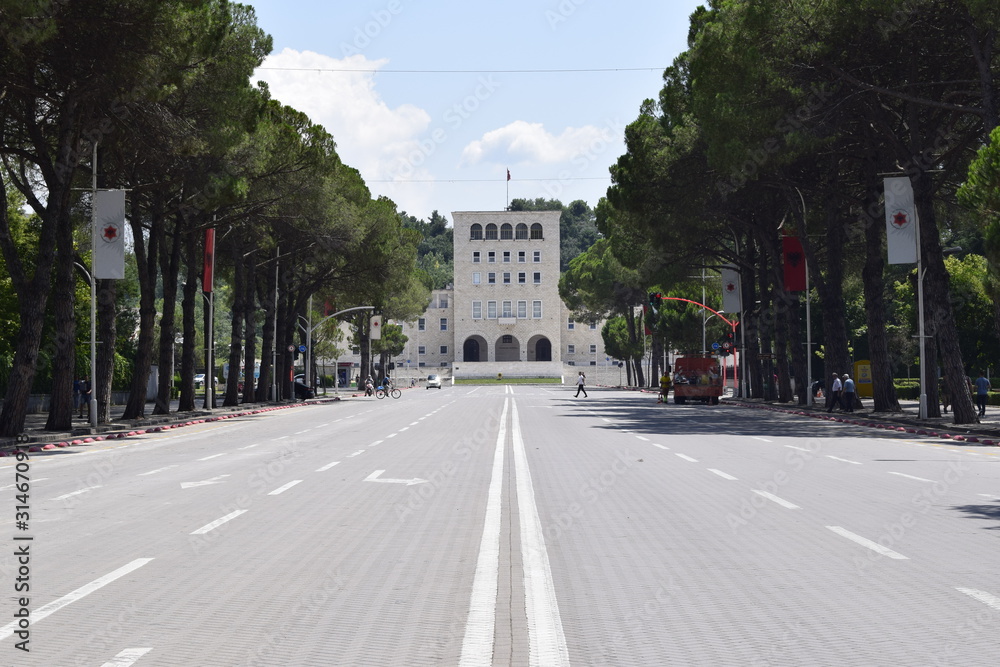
(189, 327)
(250, 332)
(135, 408)
(873, 279)
(236, 331)
(60, 417)
(267, 289)
(169, 267)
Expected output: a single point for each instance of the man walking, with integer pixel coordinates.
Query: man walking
(835, 390)
(848, 393)
(581, 379)
(983, 387)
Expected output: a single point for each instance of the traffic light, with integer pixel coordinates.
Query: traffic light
(728, 344)
(655, 301)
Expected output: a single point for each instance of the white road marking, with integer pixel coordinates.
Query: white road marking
(642, 438)
(986, 598)
(218, 522)
(374, 477)
(776, 499)
(76, 493)
(327, 466)
(754, 437)
(34, 481)
(213, 456)
(801, 449)
(546, 639)
(405, 428)
(249, 446)
(282, 489)
(865, 542)
(837, 458)
(281, 438)
(990, 495)
(69, 598)
(919, 479)
(686, 458)
(722, 474)
(351, 456)
(414, 423)
(605, 419)
(303, 431)
(127, 657)
(480, 624)
(377, 442)
(660, 446)
(391, 435)
(205, 482)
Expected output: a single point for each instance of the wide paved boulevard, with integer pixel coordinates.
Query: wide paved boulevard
(504, 525)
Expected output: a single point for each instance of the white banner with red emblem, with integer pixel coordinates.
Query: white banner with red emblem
(732, 301)
(109, 242)
(900, 220)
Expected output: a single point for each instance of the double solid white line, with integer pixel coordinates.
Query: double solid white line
(546, 639)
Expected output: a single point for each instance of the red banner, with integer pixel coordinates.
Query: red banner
(794, 261)
(208, 273)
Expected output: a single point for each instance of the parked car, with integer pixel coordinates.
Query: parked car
(199, 380)
(302, 391)
(433, 381)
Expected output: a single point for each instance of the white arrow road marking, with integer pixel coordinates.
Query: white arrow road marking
(409, 482)
(206, 482)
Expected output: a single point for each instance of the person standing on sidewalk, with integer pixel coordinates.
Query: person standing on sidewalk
(848, 393)
(983, 387)
(664, 387)
(835, 388)
(581, 379)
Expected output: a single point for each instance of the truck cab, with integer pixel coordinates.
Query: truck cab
(698, 379)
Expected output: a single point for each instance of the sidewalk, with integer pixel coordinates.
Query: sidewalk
(986, 432)
(35, 436)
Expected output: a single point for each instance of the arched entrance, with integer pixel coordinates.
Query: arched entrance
(507, 348)
(543, 349)
(473, 348)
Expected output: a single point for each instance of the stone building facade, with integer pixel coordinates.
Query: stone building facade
(503, 313)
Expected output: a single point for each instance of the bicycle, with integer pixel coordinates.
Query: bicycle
(382, 392)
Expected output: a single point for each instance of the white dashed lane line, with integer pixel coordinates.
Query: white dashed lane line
(988, 599)
(868, 544)
(687, 458)
(775, 499)
(351, 456)
(76, 493)
(282, 489)
(721, 474)
(919, 479)
(127, 657)
(213, 456)
(327, 466)
(218, 522)
(837, 458)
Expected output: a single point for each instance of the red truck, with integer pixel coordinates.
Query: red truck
(697, 378)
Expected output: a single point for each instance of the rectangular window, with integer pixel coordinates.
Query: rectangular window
(491, 278)
(520, 257)
(507, 339)
(476, 257)
(421, 324)
(593, 349)
(570, 324)
(593, 326)
(421, 350)
(522, 309)
(476, 277)
(355, 350)
(522, 278)
(506, 256)
(444, 324)
(491, 257)
(536, 309)
(506, 309)
(491, 310)
(536, 256)
(422, 364)
(571, 349)
(442, 301)
(444, 349)
(506, 278)
(477, 310)
(536, 278)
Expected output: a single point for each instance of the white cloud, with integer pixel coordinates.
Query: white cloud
(531, 142)
(370, 135)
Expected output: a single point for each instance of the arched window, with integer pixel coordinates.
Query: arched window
(536, 231)
(506, 232)
(476, 232)
(491, 232)
(521, 231)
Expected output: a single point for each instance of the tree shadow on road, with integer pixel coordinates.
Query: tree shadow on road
(986, 512)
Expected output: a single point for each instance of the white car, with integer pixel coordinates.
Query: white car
(433, 381)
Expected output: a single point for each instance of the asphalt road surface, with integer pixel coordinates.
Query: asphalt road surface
(504, 525)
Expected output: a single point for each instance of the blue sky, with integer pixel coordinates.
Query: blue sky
(445, 97)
